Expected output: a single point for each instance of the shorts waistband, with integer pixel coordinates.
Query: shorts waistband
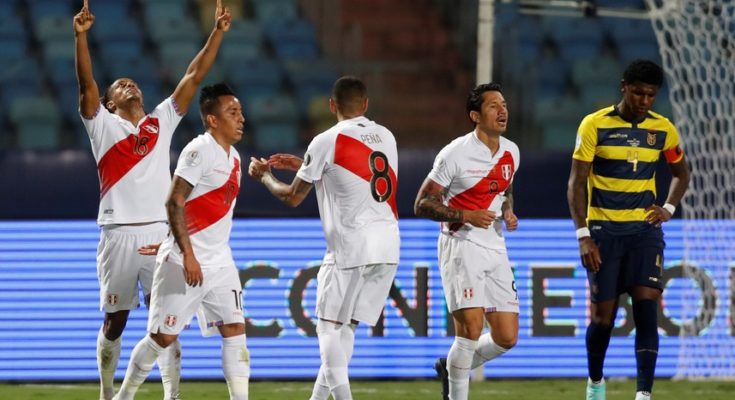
(152, 227)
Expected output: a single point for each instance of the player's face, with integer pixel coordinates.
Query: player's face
(230, 121)
(124, 90)
(493, 116)
(638, 99)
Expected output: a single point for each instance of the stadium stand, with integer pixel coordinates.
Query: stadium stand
(416, 57)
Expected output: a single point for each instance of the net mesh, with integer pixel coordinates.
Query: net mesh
(697, 44)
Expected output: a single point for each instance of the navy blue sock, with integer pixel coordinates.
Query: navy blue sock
(598, 337)
(646, 342)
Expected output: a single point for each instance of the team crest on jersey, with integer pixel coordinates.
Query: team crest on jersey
(651, 138)
(506, 170)
(170, 320)
(150, 128)
(112, 299)
(468, 293)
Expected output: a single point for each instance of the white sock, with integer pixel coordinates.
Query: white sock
(643, 396)
(108, 353)
(236, 366)
(334, 359)
(347, 340)
(321, 387)
(486, 350)
(459, 362)
(142, 359)
(169, 364)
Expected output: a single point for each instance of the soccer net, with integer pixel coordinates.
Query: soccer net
(697, 45)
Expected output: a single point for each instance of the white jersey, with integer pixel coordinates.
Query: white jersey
(215, 176)
(476, 179)
(354, 166)
(133, 163)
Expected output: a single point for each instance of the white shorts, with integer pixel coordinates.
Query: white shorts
(173, 303)
(357, 293)
(473, 276)
(119, 266)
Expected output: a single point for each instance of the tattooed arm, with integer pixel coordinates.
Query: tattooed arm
(292, 195)
(429, 204)
(511, 221)
(175, 205)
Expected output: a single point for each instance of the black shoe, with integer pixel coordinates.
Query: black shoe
(441, 372)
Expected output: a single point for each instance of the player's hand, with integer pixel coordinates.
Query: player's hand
(83, 20)
(511, 221)
(479, 218)
(285, 161)
(149, 249)
(193, 271)
(590, 254)
(222, 17)
(258, 168)
(657, 215)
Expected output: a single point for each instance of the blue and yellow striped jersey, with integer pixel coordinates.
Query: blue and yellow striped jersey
(622, 181)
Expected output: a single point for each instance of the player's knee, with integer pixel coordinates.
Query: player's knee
(470, 330)
(604, 323)
(506, 340)
(230, 330)
(114, 325)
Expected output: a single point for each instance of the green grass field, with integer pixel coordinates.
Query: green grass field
(562, 389)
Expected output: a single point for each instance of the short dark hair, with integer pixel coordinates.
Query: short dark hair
(474, 100)
(644, 71)
(348, 93)
(208, 99)
(106, 98)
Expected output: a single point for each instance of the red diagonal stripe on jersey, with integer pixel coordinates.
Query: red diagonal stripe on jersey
(354, 156)
(126, 154)
(212, 206)
(480, 196)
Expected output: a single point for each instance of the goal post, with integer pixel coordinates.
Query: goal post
(697, 44)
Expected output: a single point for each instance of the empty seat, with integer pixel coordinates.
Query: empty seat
(255, 77)
(293, 39)
(37, 121)
(47, 8)
(109, 11)
(121, 28)
(165, 31)
(272, 108)
(276, 136)
(52, 28)
(270, 11)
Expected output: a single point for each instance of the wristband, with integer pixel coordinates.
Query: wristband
(670, 208)
(583, 232)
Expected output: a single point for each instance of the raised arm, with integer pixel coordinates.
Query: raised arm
(292, 195)
(200, 65)
(429, 204)
(175, 205)
(89, 94)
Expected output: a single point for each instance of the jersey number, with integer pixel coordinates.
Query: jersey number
(238, 299)
(380, 169)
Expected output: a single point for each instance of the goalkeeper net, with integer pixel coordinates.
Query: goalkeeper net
(697, 45)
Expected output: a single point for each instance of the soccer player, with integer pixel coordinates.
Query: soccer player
(194, 265)
(132, 153)
(469, 190)
(354, 168)
(611, 193)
